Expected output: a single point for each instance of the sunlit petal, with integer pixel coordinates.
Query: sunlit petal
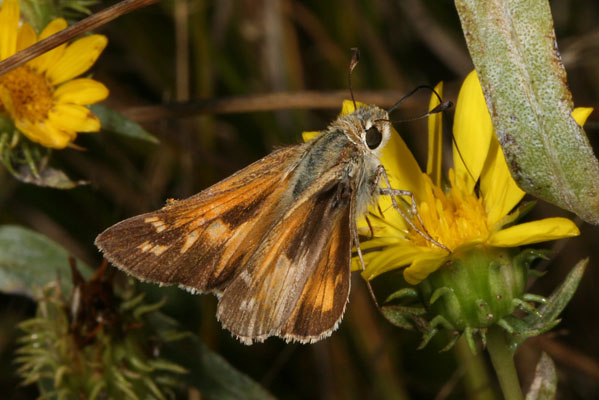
(9, 21)
(307, 136)
(26, 37)
(423, 266)
(49, 58)
(78, 58)
(472, 129)
(394, 257)
(73, 117)
(435, 138)
(534, 232)
(499, 191)
(81, 91)
(580, 114)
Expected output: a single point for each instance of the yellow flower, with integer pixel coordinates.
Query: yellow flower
(46, 104)
(459, 214)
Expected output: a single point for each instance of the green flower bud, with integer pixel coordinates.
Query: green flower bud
(477, 287)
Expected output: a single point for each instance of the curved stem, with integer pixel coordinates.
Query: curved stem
(502, 358)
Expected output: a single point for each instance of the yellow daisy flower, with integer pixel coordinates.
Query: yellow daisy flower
(46, 104)
(473, 209)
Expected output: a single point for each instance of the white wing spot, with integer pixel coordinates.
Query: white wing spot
(145, 246)
(245, 276)
(190, 240)
(157, 223)
(217, 230)
(158, 249)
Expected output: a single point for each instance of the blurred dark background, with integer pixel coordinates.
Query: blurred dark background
(185, 50)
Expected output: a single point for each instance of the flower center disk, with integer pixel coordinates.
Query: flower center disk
(452, 218)
(29, 92)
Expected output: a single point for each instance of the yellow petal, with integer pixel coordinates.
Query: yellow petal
(423, 266)
(534, 232)
(26, 37)
(307, 136)
(435, 138)
(348, 107)
(472, 130)
(379, 242)
(356, 265)
(394, 257)
(6, 101)
(499, 191)
(46, 134)
(49, 58)
(9, 23)
(75, 118)
(401, 166)
(580, 114)
(78, 57)
(81, 91)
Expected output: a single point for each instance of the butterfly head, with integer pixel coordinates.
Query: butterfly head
(372, 127)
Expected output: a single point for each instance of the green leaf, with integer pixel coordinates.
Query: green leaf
(513, 47)
(47, 177)
(115, 122)
(544, 384)
(215, 378)
(29, 260)
(533, 325)
(210, 373)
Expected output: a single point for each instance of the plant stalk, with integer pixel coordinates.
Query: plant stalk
(502, 357)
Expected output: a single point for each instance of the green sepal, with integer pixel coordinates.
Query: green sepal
(533, 324)
(406, 317)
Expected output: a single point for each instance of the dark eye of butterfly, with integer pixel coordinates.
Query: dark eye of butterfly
(374, 137)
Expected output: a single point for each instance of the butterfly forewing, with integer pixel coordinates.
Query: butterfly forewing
(196, 242)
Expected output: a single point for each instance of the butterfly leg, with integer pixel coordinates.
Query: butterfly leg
(393, 193)
(362, 264)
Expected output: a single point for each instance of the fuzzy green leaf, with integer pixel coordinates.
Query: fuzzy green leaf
(48, 177)
(533, 325)
(115, 122)
(29, 260)
(513, 47)
(544, 384)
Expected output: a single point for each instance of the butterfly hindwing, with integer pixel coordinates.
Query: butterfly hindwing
(296, 283)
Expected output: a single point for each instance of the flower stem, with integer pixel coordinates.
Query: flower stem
(502, 358)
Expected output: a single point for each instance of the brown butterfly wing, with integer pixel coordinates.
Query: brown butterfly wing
(199, 242)
(296, 283)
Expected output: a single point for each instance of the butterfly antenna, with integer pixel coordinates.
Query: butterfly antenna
(355, 58)
(407, 96)
(442, 107)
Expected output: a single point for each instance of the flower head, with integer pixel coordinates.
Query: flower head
(42, 97)
(475, 207)
(472, 209)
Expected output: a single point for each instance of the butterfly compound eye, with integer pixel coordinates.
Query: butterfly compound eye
(374, 137)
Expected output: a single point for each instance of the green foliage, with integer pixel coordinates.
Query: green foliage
(96, 347)
(514, 50)
(29, 260)
(544, 385)
(115, 122)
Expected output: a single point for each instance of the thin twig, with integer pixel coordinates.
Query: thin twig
(259, 102)
(92, 22)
